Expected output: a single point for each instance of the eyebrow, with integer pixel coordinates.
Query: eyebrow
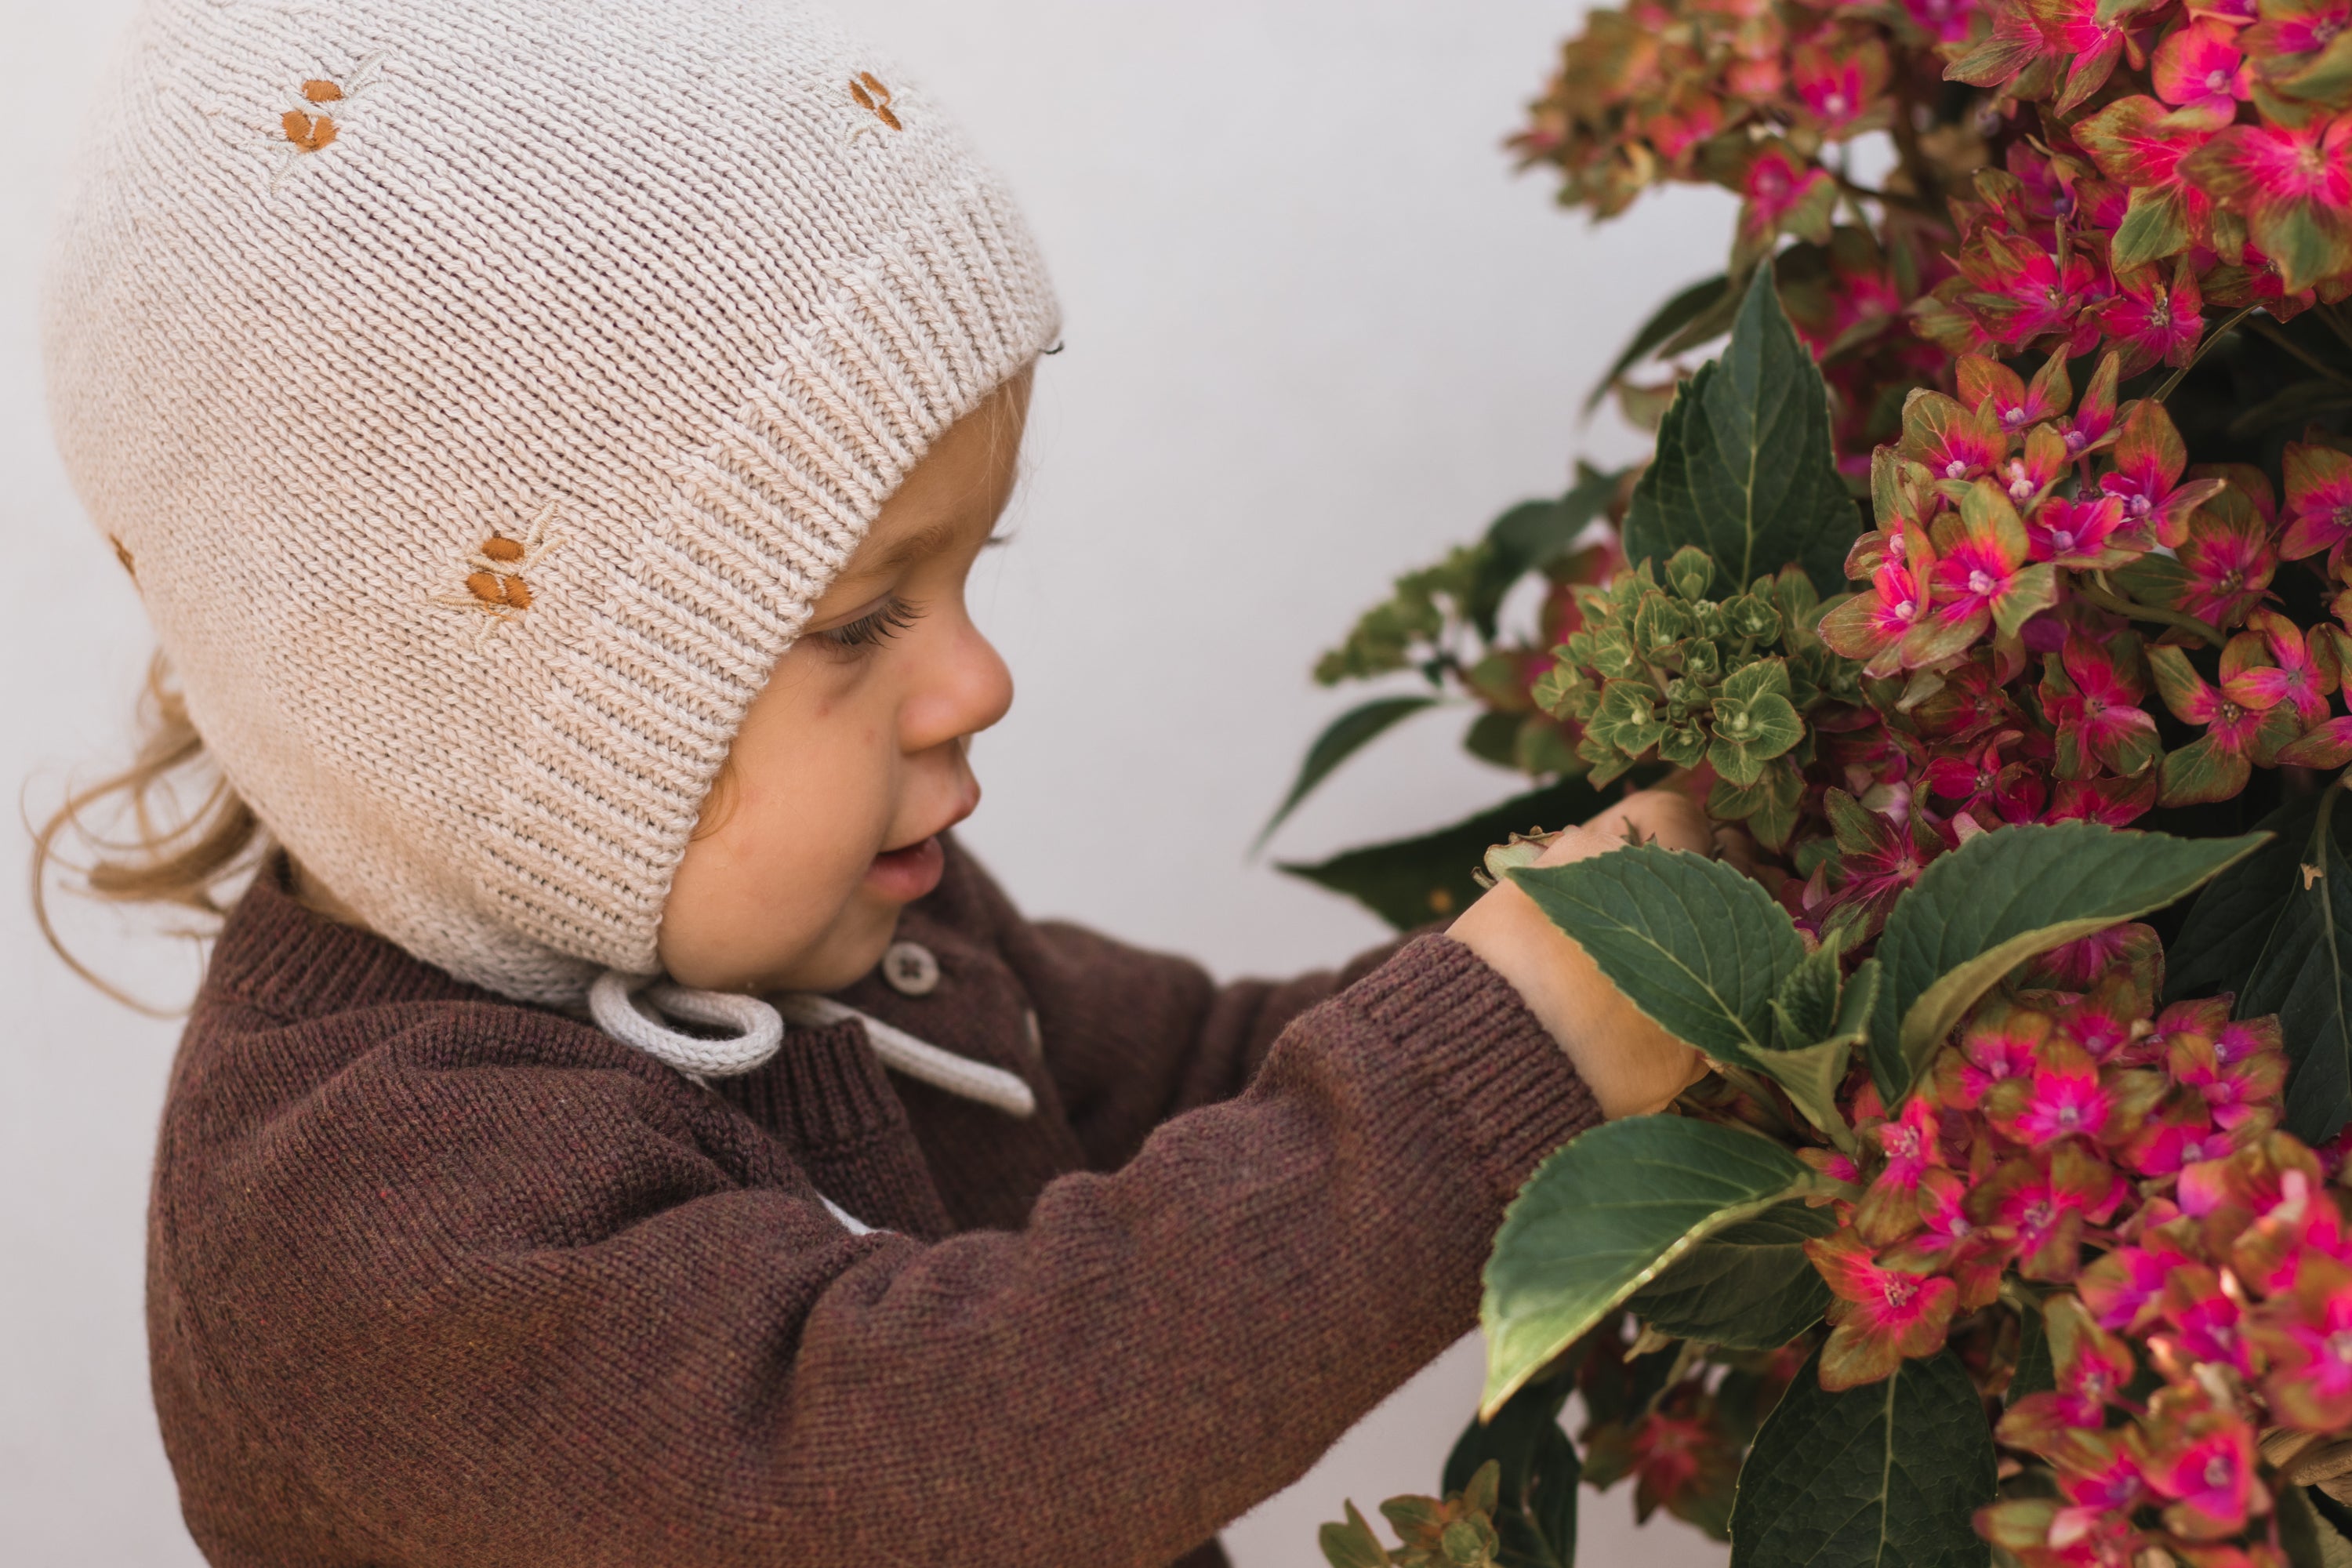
(922, 543)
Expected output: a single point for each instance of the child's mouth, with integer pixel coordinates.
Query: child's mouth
(905, 875)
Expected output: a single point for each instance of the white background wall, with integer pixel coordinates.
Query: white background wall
(1317, 331)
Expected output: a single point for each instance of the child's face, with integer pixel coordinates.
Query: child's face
(851, 761)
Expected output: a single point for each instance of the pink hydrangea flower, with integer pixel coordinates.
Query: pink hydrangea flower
(2203, 1459)
(1882, 1315)
(2202, 67)
(2124, 1287)
(2063, 1098)
(2307, 1333)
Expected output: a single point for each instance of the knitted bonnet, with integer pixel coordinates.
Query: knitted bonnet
(481, 393)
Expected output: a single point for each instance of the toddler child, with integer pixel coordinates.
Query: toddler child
(618, 1125)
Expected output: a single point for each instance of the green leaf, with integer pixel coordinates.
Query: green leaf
(1351, 1544)
(1889, 1474)
(1604, 1216)
(1811, 1008)
(2308, 1537)
(1411, 881)
(2231, 923)
(1493, 737)
(1342, 739)
(1627, 717)
(1531, 533)
(2036, 1373)
(1805, 1008)
(2304, 974)
(2003, 896)
(1749, 1286)
(1860, 999)
(1749, 734)
(1745, 470)
(1692, 304)
(1689, 572)
(2332, 1523)
(1699, 948)
(2154, 226)
(2280, 938)
(1538, 1476)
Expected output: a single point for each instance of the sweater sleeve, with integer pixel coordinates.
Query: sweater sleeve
(1161, 1038)
(1131, 1036)
(502, 1309)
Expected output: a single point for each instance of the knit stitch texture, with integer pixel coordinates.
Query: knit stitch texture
(481, 392)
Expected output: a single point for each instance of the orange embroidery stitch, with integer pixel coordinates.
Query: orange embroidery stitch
(307, 133)
(867, 89)
(496, 587)
(320, 92)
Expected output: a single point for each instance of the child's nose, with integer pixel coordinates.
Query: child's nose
(967, 689)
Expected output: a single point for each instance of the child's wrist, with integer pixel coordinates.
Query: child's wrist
(1630, 1065)
(1562, 988)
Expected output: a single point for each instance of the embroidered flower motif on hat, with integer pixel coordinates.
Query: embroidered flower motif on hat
(496, 587)
(872, 96)
(313, 116)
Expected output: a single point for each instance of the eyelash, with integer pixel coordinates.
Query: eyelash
(874, 627)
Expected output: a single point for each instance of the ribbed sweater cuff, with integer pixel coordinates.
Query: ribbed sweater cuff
(1495, 1068)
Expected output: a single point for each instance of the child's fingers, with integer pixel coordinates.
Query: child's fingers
(1647, 817)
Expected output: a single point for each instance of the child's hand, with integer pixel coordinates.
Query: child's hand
(1632, 1065)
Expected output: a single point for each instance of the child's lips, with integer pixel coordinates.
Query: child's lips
(902, 876)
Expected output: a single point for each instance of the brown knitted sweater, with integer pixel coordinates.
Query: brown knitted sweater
(439, 1280)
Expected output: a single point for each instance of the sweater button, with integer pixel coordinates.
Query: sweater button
(908, 968)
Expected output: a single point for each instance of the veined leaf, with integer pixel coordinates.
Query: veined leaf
(1603, 1217)
(2231, 922)
(1805, 1008)
(1811, 1074)
(2279, 926)
(2308, 1538)
(1671, 317)
(1699, 948)
(1745, 470)
(1531, 533)
(1749, 1286)
(1411, 881)
(1889, 1474)
(1342, 739)
(2035, 1374)
(2312, 1528)
(2003, 896)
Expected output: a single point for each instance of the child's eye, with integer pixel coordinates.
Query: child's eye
(876, 627)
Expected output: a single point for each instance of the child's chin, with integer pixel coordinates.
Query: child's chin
(903, 875)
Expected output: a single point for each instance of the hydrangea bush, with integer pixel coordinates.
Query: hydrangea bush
(1990, 586)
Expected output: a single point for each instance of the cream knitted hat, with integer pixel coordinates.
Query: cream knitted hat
(482, 391)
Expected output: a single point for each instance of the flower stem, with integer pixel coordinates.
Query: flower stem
(1888, 198)
(2270, 329)
(2333, 316)
(2215, 336)
(2108, 599)
(2319, 827)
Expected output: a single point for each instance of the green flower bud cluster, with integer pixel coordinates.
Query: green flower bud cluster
(1662, 673)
